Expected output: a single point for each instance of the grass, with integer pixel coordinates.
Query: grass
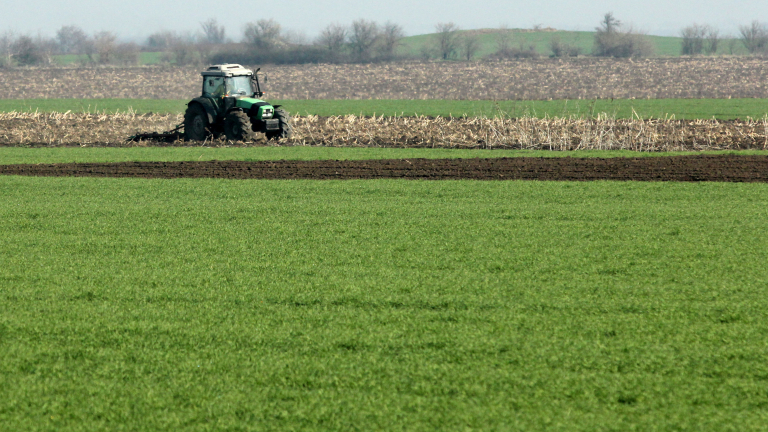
(724, 109)
(409, 305)
(145, 58)
(663, 46)
(20, 155)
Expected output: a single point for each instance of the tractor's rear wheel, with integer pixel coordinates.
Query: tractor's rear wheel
(237, 126)
(196, 123)
(286, 129)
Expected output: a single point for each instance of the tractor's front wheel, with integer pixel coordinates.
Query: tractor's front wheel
(195, 123)
(286, 129)
(237, 126)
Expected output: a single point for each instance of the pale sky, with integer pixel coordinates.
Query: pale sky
(136, 19)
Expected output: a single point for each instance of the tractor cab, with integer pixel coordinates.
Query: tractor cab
(230, 80)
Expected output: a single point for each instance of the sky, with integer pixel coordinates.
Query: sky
(136, 19)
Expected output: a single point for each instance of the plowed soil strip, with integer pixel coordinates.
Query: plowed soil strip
(721, 168)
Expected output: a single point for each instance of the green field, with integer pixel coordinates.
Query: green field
(22, 155)
(724, 109)
(145, 58)
(382, 305)
(662, 45)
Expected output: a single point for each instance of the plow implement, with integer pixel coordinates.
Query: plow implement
(170, 136)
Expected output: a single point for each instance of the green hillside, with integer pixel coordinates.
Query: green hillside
(540, 40)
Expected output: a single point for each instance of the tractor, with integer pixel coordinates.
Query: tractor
(230, 105)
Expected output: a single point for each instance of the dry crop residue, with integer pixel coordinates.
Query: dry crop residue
(727, 168)
(602, 133)
(581, 78)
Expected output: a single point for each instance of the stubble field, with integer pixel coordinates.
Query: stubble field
(587, 78)
(525, 133)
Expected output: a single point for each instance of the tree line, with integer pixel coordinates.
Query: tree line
(362, 41)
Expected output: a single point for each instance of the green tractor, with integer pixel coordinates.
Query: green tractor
(230, 105)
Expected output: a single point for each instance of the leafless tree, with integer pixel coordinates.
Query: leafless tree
(71, 39)
(105, 44)
(161, 40)
(264, 34)
(363, 38)
(503, 39)
(447, 40)
(391, 36)
(213, 33)
(469, 44)
(295, 37)
(563, 49)
(713, 40)
(7, 40)
(693, 39)
(182, 48)
(613, 39)
(754, 37)
(127, 54)
(333, 38)
(26, 51)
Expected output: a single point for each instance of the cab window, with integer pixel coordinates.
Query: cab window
(213, 86)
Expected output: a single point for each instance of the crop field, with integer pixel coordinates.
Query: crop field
(582, 78)
(283, 305)
(211, 293)
(526, 133)
(680, 109)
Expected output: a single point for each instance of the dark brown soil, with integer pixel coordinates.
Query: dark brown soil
(722, 168)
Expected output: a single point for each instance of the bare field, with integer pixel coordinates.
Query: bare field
(601, 133)
(583, 78)
(721, 168)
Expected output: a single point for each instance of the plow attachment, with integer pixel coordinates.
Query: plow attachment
(170, 136)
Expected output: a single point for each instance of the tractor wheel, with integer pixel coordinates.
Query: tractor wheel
(286, 129)
(237, 126)
(196, 123)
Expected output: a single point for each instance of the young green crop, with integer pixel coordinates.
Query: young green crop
(690, 109)
(22, 155)
(414, 305)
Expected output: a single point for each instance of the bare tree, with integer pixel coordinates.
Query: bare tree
(7, 42)
(362, 39)
(754, 37)
(563, 49)
(693, 39)
(213, 33)
(26, 52)
(469, 44)
(503, 39)
(264, 34)
(447, 39)
(333, 38)
(713, 40)
(71, 39)
(161, 40)
(391, 35)
(127, 54)
(105, 44)
(609, 24)
(613, 39)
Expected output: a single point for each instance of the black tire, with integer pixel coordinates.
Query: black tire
(286, 129)
(196, 127)
(237, 127)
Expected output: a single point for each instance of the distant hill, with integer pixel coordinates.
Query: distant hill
(664, 46)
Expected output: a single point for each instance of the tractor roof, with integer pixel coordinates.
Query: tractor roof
(227, 70)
